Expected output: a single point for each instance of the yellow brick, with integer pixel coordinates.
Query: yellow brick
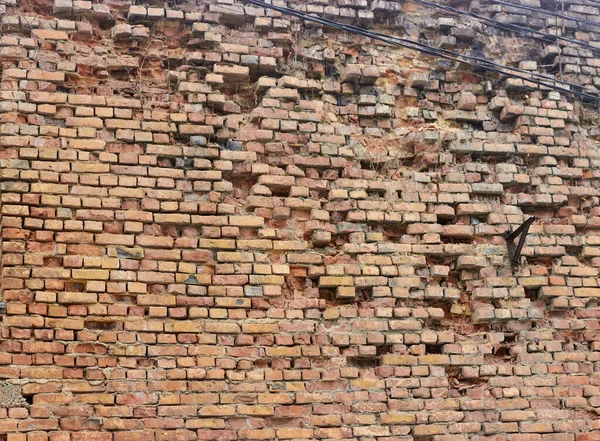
(255, 410)
(95, 274)
(64, 323)
(254, 244)
(294, 351)
(246, 221)
(106, 399)
(135, 351)
(227, 244)
(333, 281)
(398, 418)
(183, 326)
(222, 328)
(437, 359)
(137, 287)
(186, 267)
(331, 314)
(217, 410)
(77, 297)
(290, 245)
(193, 279)
(587, 292)
(87, 144)
(267, 398)
(266, 280)
(399, 360)
(367, 383)
(24, 322)
(257, 434)
(205, 423)
(229, 256)
(260, 328)
(49, 188)
(233, 302)
(156, 300)
(345, 292)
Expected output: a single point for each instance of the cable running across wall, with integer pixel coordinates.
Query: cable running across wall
(442, 53)
(543, 11)
(513, 27)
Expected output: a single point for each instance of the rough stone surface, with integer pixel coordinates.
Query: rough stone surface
(11, 396)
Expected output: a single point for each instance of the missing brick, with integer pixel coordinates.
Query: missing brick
(327, 294)
(53, 262)
(364, 294)
(384, 349)
(376, 194)
(103, 325)
(11, 396)
(75, 286)
(433, 349)
(362, 362)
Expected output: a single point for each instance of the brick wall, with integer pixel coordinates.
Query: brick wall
(220, 223)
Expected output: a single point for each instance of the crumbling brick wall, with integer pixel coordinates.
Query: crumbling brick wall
(222, 223)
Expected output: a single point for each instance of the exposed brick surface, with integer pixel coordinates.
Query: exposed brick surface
(219, 223)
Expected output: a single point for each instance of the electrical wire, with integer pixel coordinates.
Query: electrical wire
(543, 11)
(442, 53)
(513, 27)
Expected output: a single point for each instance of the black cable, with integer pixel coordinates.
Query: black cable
(513, 27)
(420, 47)
(543, 11)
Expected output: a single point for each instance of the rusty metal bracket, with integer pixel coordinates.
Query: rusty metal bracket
(514, 250)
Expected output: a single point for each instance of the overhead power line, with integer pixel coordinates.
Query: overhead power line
(549, 38)
(544, 11)
(475, 62)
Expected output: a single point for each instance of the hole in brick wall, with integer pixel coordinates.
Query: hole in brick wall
(331, 71)
(396, 230)
(3, 437)
(438, 260)
(326, 294)
(573, 250)
(362, 363)
(384, 349)
(75, 286)
(433, 349)
(28, 398)
(364, 295)
(163, 161)
(466, 240)
(101, 325)
(375, 194)
(280, 192)
(53, 262)
(515, 189)
(531, 294)
(501, 351)
(446, 220)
